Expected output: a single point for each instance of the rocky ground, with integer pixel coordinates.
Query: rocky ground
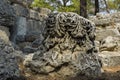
(25, 34)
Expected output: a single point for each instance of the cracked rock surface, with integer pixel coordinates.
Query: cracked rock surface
(68, 48)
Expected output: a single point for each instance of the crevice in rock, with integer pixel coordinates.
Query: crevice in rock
(12, 32)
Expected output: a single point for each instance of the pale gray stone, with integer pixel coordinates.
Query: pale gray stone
(108, 44)
(102, 34)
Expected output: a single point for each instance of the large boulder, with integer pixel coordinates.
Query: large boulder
(110, 44)
(68, 48)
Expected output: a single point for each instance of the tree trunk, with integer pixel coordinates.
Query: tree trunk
(65, 2)
(96, 6)
(83, 8)
(107, 9)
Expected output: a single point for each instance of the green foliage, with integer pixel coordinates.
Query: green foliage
(117, 2)
(58, 5)
(42, 4)
(72, 7)
(113, 4)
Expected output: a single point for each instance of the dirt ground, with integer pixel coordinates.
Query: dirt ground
(110, 73)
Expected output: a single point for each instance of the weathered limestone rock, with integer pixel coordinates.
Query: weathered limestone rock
(35, 26)
(28, 30)
(7, 15)
(68, 48)
(118, 28)
(35, 15)
(22, 45)
(108, 38)
(116, 17)
(20, 10)
(30, 37)
(102, 34)
(29, 49)
(101, 20)
(28, 58)
(25, 3)
(37, 42)
(108, 44)
(21, 29)
(45, 11)
(110, 59)
(8, 64)
(106, 19)
(4, 33)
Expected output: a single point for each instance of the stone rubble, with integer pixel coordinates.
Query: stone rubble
(108, 38)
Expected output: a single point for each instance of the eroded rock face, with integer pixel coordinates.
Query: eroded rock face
(68, 48)
(7, 15)
(25, 3)
(9, 69)
(4, 33)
